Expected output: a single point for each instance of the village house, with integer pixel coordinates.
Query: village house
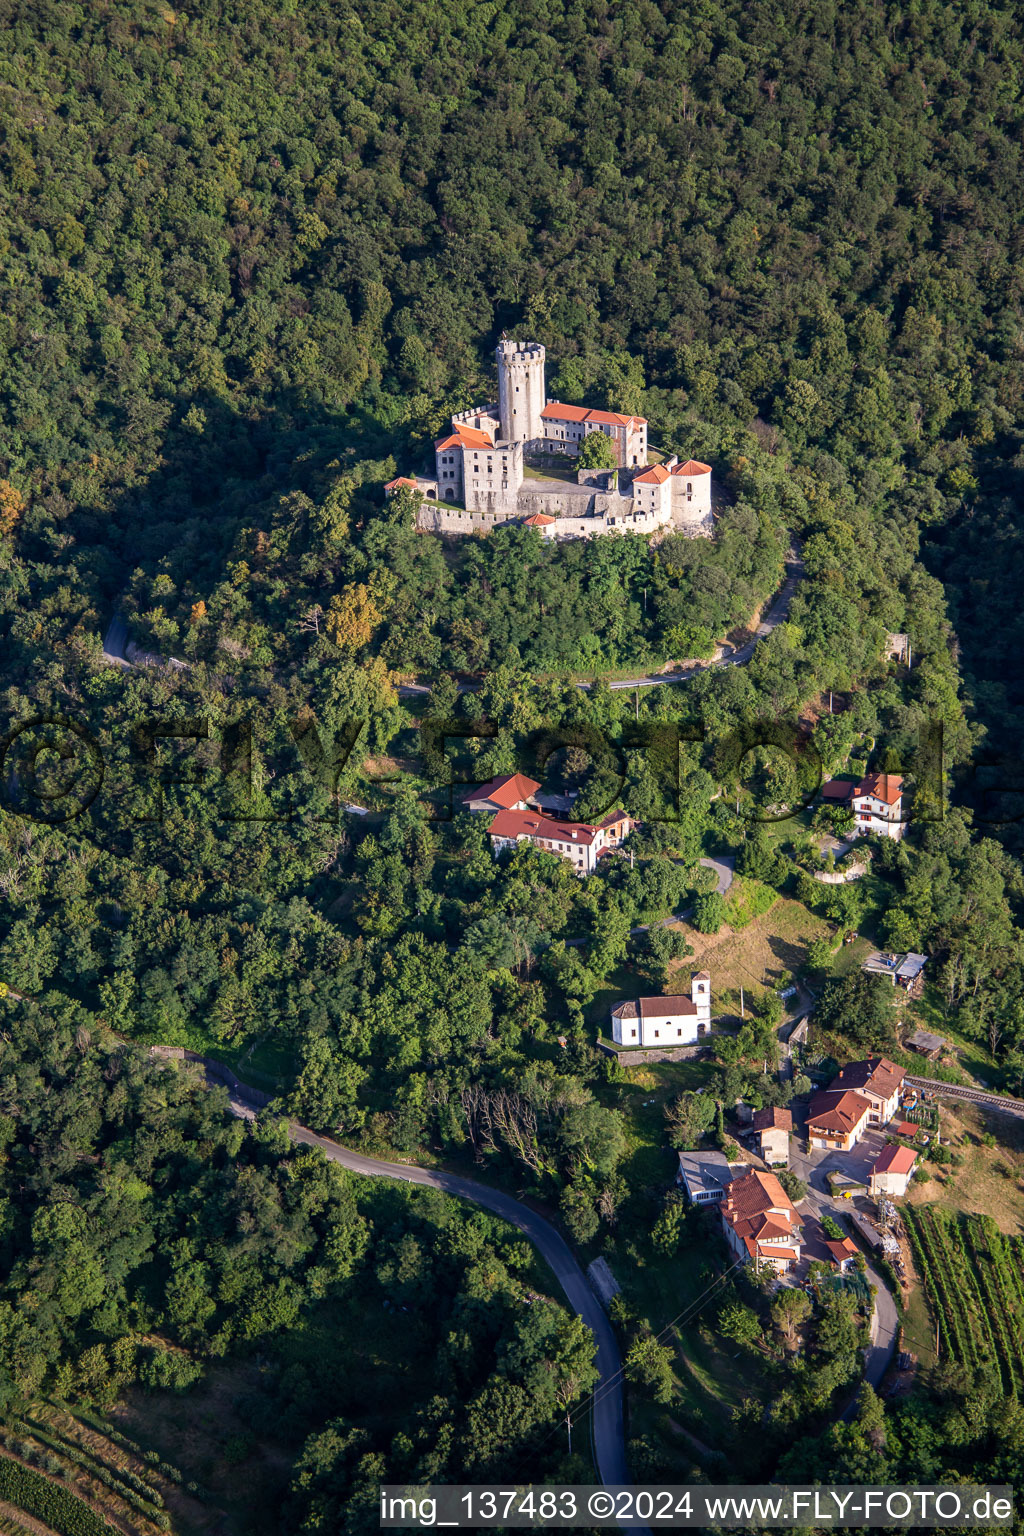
(677, 1018)
(892, 1171)
(772, 1128)
(761, 1223)
(878, 1080)
(480, 483)
(704, 1176)
(579, 842)
(837, 1120)
(842, 1252)
(875, 800)
(509, 792)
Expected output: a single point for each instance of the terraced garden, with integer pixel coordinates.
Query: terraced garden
(973, 1276)
(74, 1474)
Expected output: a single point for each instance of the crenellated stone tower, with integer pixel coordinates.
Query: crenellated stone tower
(520, 390)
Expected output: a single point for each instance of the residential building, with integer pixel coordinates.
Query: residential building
(677, 1018)
(905, 971)
(842, 1252)
(876, 1079)
(579, 842)
(761, 1222)
(837, 1120)
(704, 1176)
(875, 800)
(509, 792)
(479, 480)
(892, 1171)
(772, 1128)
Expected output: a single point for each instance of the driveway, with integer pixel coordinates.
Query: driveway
(812, 1169)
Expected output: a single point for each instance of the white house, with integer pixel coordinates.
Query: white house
(876, 802)
(773, 1127)
(676, 1018)
(761, 1222)
(579, 842)
(892, 1171)
(837, 1120)
(704, 1176)
(876, 1079)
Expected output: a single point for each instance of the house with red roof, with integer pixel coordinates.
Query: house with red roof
(837, 1119)
(876, 1079)
(508, 792)
(761, 1223)
(773, 1128)
(892, 1171)
(582, 844)
(676, 1018)
(876, 801)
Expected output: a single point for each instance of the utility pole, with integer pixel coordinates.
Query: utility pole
(568, 1425)
(742, 1009)
(645, 599)
(636, 692)
(830, 701)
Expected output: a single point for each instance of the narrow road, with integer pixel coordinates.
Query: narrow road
(724, 868)
(884, 1317)
(609, 1426)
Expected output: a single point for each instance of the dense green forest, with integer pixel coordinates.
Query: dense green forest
(155, 1234)
(251, 259)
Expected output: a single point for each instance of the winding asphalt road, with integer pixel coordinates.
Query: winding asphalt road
(608, 1423)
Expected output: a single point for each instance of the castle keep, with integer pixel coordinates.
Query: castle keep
(480, 482)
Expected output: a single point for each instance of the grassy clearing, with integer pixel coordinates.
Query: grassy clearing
(712, 1377)
(990, 1180)
(641, 1098)
(755, 956)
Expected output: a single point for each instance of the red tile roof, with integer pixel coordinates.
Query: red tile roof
(877, 1074)
(538, 520)
(838, 789)
(773, 1119)
(556, 411)
(841, 1251)
(832, 1111)
(760, 1213)
(692, 467)
(881, 786)
(465, 437)
(401, 481)
(506, 790)
(656, 475)
(665, 1006)
(532, 824)
(894, 1159)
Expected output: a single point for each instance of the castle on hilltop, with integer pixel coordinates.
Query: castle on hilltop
(480, 480)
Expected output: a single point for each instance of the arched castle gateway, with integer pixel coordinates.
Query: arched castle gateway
(479, 481)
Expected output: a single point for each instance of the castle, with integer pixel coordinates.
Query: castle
(480, 479)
